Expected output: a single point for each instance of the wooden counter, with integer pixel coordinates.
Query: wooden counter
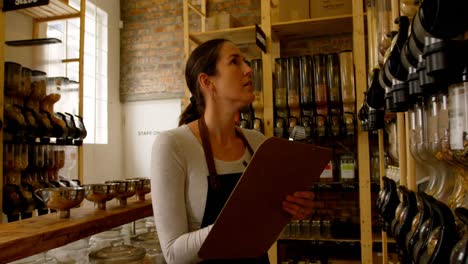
(38, 234)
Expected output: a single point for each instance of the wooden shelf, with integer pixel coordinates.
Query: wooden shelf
(376, 238)
(32, 42)
(38, 234)
(56, 9)
(313, 27)
(238, 35)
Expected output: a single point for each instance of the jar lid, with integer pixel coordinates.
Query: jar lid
(119, 253)
(148, 236)
(147, 240)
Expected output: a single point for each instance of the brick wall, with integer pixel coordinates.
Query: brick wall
(152, 60)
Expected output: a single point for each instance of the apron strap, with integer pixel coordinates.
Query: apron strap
(209, 152)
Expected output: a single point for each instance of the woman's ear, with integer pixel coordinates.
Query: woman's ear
(206, 84)
(204, 81)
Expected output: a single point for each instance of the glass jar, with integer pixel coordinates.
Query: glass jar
(75, 252)
(257, 79)
(320, 80)
(150, 242)
(306, 85)
(12, 78)
(39, 85)
(333, 82)
(35, 259)
(120, 254)
(348, 93)
(281, 82)
(108, 238)
(347, 168)
(293, 87)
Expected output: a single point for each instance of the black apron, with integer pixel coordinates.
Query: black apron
(219, 190)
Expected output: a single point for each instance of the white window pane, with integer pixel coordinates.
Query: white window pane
(89, 118)
(73, 71)
(101, 88)
(89, 87)
(95, 83)
(101, 113)
(102, 38)
(75, 4)
(89, 64)
(102, 63)
(102, 17)
(90, 10)
(101, 135)
(90, 43)
(68, 102)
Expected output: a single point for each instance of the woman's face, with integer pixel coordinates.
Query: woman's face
(232, 81)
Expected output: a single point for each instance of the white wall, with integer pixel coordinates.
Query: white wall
(18, 27)
(142, 121)
(104, 162)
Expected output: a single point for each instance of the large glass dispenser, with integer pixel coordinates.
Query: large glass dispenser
(280, 97)
(257, 104)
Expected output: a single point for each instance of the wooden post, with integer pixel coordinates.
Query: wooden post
(411, 177)
(81, 81)
(359, 56)
(382, 173)
(2, 78)
(267, 62)
(186, 47)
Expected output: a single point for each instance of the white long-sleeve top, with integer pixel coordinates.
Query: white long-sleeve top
(179, 189)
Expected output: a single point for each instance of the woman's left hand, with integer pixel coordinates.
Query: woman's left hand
(300, 204)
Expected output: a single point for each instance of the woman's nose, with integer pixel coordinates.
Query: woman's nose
(248, 70)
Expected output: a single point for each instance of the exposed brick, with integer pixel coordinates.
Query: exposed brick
(152, 43)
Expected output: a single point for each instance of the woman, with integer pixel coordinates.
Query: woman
(207, 143)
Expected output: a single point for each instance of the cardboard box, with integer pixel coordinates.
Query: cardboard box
(293, 10)
(219, 21)
(328, 8)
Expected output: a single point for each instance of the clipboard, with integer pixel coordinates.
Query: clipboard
(253, 217)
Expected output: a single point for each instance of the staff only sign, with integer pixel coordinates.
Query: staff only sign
(9, 5)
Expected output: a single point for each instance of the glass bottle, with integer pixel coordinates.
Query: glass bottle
(293, 87)
(257, 79)
(320, 89)
(280, 98)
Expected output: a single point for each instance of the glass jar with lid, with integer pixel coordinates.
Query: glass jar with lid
(35, 259)
(108, 238)
(75, 252)
(150, 242)
(119, 254)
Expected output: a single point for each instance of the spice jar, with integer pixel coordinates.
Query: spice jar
(121, 254)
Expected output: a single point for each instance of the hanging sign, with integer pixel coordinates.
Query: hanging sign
(260, 38)
(9, 5)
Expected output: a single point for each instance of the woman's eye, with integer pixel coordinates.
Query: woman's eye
(234, 61)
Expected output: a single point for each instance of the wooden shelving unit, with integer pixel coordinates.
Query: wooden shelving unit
(56, 9)
(308, 28)
(239, 35)
(27, 237)
(35, 235)
(276, 32)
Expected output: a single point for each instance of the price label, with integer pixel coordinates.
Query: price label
(9, 5)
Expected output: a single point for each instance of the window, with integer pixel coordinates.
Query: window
(95, 85)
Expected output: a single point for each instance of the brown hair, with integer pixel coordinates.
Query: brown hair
(203, 59)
